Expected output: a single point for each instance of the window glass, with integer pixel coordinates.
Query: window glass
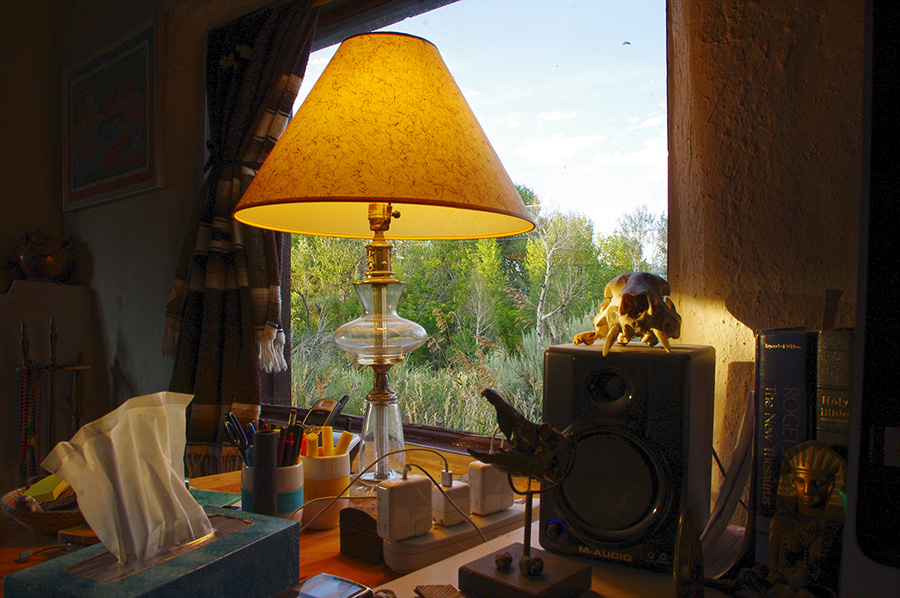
(572, 96)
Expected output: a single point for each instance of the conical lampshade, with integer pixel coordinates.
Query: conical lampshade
(385, 123)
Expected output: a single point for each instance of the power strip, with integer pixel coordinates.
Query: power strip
(411, 554)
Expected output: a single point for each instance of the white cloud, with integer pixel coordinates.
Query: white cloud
(555, 150)
(510, 121)
(557, 116)
(649, 122)
(653, 154)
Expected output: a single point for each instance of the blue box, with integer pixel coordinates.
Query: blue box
(259, 559)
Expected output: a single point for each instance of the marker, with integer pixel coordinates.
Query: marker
(343, 444)
(312, 445)
(327, 441)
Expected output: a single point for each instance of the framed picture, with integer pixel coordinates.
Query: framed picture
(112, 145)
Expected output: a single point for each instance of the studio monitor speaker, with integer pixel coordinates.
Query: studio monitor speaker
(641, 420)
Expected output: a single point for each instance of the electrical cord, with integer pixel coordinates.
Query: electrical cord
(334, 499)
(346, 489)
(450, 500)
(725, 474)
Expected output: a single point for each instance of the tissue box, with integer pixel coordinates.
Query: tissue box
(261, 559)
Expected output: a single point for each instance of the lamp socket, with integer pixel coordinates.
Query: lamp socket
(404, 507)
(445, 513)
(490, 489)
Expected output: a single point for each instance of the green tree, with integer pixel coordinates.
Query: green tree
(646, 240)
(560, 260)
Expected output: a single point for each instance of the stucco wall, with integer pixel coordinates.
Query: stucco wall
(765, 102)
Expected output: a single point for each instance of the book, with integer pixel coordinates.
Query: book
(834, 374)
(782, 418)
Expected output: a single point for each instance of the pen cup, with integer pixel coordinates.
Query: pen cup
(325, 477)
(288, 489)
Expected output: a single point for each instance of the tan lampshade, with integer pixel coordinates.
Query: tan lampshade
(385, 123)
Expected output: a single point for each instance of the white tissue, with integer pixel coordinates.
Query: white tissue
(127, 470)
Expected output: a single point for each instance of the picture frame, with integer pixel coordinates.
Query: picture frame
(113, 142)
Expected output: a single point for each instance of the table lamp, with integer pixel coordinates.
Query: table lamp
(384, 147)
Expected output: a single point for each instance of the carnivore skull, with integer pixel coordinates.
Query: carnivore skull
(636, 304)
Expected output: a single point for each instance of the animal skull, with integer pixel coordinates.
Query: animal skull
(636, 304)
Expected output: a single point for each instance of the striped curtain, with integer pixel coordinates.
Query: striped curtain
(223, 315)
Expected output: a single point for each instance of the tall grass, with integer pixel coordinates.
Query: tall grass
(448, 396)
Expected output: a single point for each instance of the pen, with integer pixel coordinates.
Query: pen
(288, 450)
(282, 442)
(295, 453)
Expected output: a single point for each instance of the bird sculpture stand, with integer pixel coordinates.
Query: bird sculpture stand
(540, 453)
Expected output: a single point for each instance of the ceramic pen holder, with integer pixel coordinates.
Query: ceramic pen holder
(288, 489)
(326, 476)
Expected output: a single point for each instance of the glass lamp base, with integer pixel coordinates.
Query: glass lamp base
(381, 442)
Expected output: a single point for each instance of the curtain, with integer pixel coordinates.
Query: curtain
(224, 309)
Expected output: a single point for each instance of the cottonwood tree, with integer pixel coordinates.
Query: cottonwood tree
(483, 293)
(644, 230)
(322, 272)
(560, 258)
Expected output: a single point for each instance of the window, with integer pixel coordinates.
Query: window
(572, 96)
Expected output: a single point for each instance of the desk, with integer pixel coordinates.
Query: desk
(319, 549)
(607, 580)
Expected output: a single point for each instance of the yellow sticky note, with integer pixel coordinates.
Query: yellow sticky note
(47, 489)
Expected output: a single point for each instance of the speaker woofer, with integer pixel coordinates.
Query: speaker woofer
(616, 492)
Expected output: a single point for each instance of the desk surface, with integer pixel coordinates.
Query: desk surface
(607, 579)
(319, 549)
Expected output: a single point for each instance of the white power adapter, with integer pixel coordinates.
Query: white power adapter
(404, 507)
(490, 490)
(443, 512)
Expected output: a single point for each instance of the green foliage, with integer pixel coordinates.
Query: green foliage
(489, 306)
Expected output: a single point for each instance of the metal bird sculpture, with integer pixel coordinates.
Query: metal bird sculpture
(537, 451)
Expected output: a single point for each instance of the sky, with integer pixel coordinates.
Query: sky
(571, 94)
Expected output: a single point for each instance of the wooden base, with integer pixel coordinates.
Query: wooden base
(561, 578)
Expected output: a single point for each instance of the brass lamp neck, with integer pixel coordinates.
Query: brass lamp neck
(378, 252)
(381, 392)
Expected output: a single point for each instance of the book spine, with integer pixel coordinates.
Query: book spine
(782, 418)
(834, 373)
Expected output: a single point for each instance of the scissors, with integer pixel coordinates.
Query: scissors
(236, 434)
